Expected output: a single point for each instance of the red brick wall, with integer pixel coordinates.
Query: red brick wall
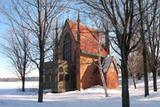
(112, 77)
(88, 74)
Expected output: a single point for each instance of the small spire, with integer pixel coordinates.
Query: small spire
(56, 28)
(78, 27)
(78, 17)
(67, 19)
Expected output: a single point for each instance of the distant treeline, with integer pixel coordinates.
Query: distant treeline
(17, 79)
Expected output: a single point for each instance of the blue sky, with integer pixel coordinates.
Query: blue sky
(3, 59)
(6, 70)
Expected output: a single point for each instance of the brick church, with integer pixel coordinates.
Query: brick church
(78, 51)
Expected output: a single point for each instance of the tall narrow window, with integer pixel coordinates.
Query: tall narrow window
(67, 48)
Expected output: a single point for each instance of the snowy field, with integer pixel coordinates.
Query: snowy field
(11, 96)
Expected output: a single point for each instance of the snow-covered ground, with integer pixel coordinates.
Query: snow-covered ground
(11, 96)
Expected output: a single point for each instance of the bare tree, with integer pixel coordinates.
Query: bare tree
(38, 17)
(153, 35)
(100, 67)
(121, 16)
(145, 7)
(16, 48)
(135, 60)
(135, 66)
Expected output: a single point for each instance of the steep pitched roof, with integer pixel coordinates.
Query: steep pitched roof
(89, 38)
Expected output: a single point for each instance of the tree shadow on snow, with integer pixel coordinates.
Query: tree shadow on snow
(28, 91)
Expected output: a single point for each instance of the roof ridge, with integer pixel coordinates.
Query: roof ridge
(84, 25)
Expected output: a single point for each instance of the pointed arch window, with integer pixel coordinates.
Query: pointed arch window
(67, 48)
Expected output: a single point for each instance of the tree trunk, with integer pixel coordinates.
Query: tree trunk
(102, 78)
(144, 52)
(134, 81)
(41, 37)
(146, 88)
(100, 67)
(124, 71)
(154, 79)
(125, 91)
(24, 65)
(23, 83)
(40, 93)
